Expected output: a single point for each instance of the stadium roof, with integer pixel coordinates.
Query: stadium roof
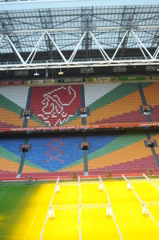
(51, 34)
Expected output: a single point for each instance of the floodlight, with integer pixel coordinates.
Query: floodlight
(60, 72)
(36, 73)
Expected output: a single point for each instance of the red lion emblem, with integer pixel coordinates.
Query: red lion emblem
(56, 105)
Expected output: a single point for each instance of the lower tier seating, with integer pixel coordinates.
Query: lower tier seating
(118, 152)
(54, 154)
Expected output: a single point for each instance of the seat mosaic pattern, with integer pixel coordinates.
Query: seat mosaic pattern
(54, 154)
(54, 105)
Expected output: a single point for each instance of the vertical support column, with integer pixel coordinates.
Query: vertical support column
(87, 25)
(143, 100)
(85, 159)
(22, 160)
(83, 103)
(153, 150)
(25, 122)
(85, 163)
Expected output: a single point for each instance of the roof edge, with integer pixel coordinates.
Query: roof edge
(38, 4)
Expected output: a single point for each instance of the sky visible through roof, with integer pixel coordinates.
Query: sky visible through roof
(32, 4)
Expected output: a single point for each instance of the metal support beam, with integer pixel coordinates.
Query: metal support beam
(156, 53)
(77, 47)
(104, 54)
(61, 54)
(29, 63)
(35, 49)
(119, 45)
(141, 44)
(155, 39)
(16, 51)
(127, 23)
(1, 38)
(86, 25)
(77, 64)
(28, 31)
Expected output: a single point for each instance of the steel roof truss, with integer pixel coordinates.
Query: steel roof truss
(156, 53)
(78, 64)
(1, 38)
(59, 51)
(104, 54)
(35, 49)
(141, 45)
(77, 47)
(119, 45)
(15, 49)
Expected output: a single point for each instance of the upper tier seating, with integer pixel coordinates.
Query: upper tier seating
(54, 105)
(12, 101)
(59, 105)
(112, 103)
(152, 98)
(120, 104)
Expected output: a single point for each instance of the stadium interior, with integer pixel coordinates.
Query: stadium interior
(79, 120)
